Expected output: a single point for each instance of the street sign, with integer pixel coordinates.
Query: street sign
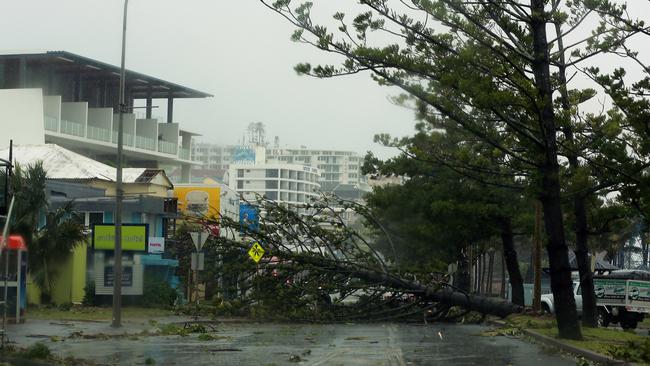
(199, 238)
(198, 262)
(256, 252)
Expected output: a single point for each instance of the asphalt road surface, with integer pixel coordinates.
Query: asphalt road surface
(304, 344)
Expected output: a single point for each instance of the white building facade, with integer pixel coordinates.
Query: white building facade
(72, 101)
(336, 167)
(290, 184)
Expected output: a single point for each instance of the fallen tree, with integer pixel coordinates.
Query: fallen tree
(319, 255)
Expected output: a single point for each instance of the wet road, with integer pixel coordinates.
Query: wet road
(300, 344)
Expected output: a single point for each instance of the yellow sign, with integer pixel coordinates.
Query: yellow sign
(256, 252)
(134, 237)
(198, 200)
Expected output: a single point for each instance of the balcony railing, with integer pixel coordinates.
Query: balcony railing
(167, 147)
(99, 134)
(73, 128)
(106, 135)
(128, 138)
(184, 154)
(51, 123)
(142, 142)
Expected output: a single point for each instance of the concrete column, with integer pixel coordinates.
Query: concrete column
(149, 103)
(170, 108)
(185, 173)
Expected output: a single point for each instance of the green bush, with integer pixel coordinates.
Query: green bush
(157, 293)
(37, 351)
(89, 295)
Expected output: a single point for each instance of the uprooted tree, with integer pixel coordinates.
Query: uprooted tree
(313, 254)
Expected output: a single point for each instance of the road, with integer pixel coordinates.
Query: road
(301, 344)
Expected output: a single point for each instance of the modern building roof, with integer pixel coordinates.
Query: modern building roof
(60, 163)
(140, 85)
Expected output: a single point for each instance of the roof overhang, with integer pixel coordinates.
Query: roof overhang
(141, 86)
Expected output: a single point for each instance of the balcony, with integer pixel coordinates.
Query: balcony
(72, 128)
(60, 131)
(99, 134)
(167, 147)
(51, 124)
(127, 139)
(146, 143)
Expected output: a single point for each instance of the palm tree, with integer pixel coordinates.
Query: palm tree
(52, 244)
(50, 235)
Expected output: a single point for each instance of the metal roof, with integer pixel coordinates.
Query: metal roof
(140, 85)
(60, 163)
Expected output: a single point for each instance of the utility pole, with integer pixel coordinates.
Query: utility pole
(119, 192)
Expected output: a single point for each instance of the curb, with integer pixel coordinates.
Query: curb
(588, 355)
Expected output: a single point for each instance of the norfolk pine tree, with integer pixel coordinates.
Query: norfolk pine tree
(491, 61)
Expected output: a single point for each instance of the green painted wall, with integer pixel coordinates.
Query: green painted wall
(70, 282)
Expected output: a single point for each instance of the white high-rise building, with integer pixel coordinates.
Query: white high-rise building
(290, 184)
(251, 176)
(338, 168)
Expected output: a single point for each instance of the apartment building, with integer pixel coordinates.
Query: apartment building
(291, 184)
(73, 101)
(337, 168)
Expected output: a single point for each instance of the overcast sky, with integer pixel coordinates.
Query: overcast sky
(237, 50)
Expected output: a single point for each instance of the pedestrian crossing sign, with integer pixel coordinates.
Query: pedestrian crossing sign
(256, 252)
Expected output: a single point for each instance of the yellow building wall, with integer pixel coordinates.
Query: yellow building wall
(70, 281)
(33, 292)
(213, 193)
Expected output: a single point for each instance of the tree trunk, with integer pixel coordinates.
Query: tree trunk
(644, 245)
(479, 273)
(488, 289)
(463, 272)
(589, 310)
(537, 259)
(512, 264)
(549, 190)
(502, 293)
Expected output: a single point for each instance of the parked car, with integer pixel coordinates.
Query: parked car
(622, 297)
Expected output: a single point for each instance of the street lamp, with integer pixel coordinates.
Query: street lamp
(119, 192)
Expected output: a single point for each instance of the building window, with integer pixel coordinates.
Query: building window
(272, 195)
(240, 173)
(271, 184)
(271, 173)
(240, 184)
(95, 218)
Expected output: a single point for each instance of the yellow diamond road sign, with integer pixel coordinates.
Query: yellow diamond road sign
(256, 252)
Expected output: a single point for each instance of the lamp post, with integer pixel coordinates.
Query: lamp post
(119, 192)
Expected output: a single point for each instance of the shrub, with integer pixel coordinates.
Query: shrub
(37, 350)
(89, 294)
(157, 293)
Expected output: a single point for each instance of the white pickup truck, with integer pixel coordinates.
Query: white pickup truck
(622, 297)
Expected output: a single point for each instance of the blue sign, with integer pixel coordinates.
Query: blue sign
(243, 154)
(249, 219)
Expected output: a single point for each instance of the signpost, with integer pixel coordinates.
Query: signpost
(197, 264)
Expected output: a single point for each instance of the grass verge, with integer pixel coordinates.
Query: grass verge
(94, 313)
(615, 343)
